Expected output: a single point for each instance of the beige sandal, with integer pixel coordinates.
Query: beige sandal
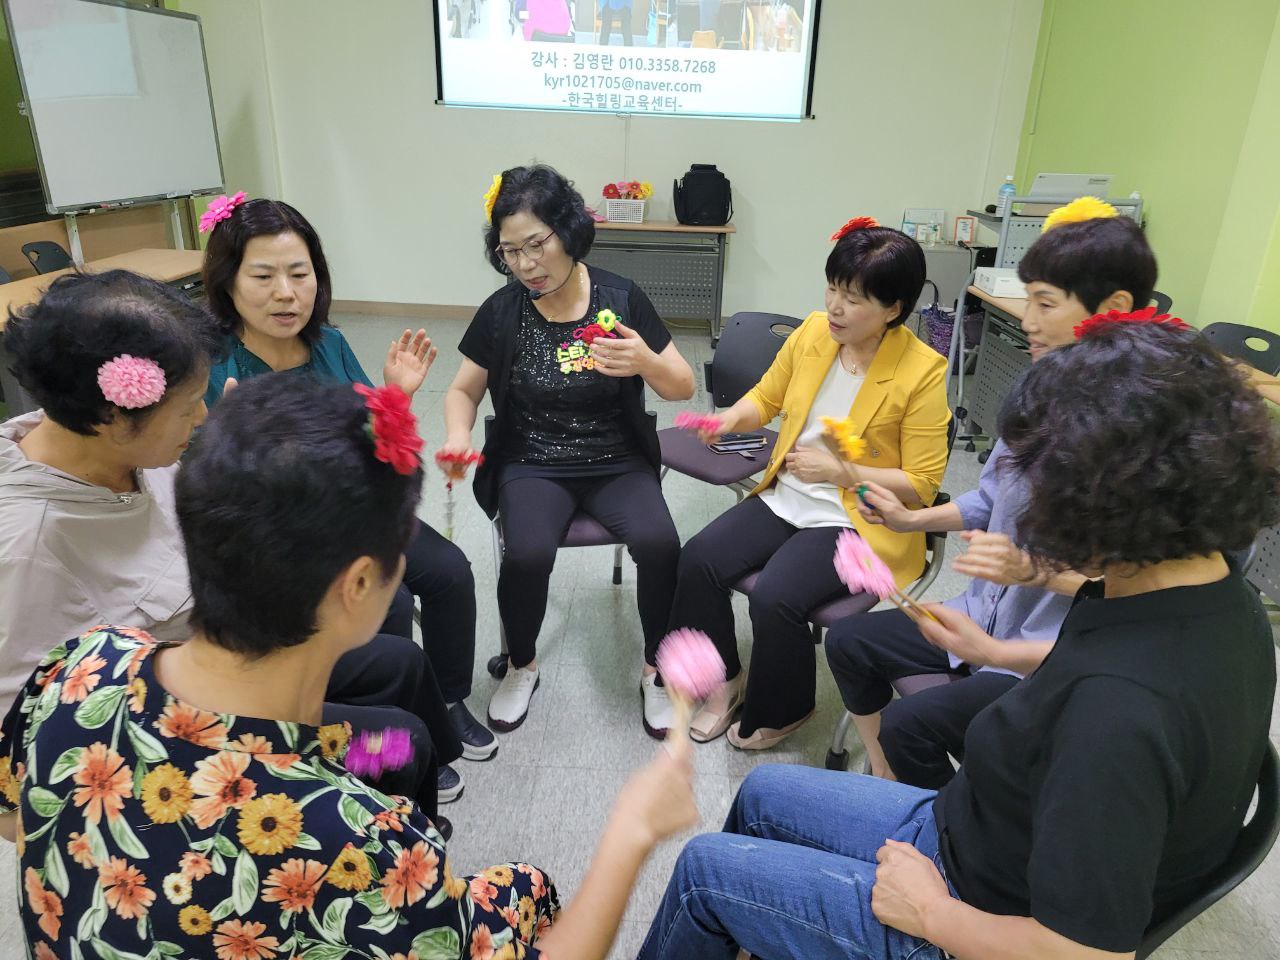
(715, 715)
(765, 737)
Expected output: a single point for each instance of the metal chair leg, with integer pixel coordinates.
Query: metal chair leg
(838, 754)
(497, 664)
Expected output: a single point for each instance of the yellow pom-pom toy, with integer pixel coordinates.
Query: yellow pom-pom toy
(840, 433)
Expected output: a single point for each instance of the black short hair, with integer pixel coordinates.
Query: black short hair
(261, 218)
(1093, 259)
(83, 320)
(1140, 443)
(549, 196)
(280, 495)
(880, 262)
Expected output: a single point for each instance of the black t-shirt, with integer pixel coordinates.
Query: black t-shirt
(1098, 794)
(558, 411)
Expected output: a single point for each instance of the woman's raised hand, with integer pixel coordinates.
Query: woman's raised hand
(408, 360)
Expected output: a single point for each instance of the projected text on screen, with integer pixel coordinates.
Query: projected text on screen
(723, 58)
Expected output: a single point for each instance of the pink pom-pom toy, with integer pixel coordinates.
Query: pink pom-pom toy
(690, 664)
(373, 753)
(131, 383)
(860, 569)
(698, 421)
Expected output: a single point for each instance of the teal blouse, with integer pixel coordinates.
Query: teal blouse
(331, 359)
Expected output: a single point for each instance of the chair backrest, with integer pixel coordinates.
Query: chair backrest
(704, 39)
(1163, 302)
(1234, 339)
(1252, 846)
(1264, 563)
(46, 256)
(747, 346)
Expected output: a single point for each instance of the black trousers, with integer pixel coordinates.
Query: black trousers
(438, 573)
(798, 577)
(536, 512)
(607, 18)
(867, 652)
(388, 682)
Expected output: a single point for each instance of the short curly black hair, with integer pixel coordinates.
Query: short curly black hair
(84, 320)
(282, 493)
(262, 218)
(549, 196)
(880, 262)
(1093, 259)
(1140, 443)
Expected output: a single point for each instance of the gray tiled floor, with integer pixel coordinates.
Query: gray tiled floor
(548, 791)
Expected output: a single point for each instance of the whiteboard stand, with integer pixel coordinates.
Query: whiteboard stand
(175, 225)
(73, 239)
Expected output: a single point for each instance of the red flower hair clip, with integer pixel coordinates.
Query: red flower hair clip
(393, 427)
(1102, 321)
(857, 223)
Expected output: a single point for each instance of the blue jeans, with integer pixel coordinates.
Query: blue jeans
(791, 875)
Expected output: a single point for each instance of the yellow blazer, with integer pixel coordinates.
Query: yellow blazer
(900, 410)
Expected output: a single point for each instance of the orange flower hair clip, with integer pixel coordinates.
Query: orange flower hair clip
(857, 223)
(1102, 321)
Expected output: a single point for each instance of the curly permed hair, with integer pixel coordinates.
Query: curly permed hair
(1140, 444)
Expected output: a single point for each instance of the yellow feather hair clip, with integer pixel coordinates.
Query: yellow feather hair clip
(491, 197)
(1078, 211)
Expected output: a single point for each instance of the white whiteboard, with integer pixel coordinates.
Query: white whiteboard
(119, 101)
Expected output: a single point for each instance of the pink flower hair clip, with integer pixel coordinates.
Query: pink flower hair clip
(219, 209)
(131, 383)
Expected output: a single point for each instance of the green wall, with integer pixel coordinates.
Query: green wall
(1176, 98)
(17, 150)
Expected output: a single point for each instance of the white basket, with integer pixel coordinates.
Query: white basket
(624, 211)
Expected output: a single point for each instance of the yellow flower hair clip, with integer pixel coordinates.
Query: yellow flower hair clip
(841, 438)
(1078, 211)
(491, 197)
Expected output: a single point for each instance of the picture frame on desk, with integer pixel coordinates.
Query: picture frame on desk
(964, 230)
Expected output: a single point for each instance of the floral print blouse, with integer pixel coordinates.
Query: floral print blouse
(149, 829)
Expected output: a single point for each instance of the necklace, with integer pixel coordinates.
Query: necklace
(582, 279)
(850, 368)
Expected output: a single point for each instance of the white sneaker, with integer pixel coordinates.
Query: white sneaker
(659, 714)
(510, 703)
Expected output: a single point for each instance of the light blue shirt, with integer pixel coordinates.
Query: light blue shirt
(1007, 613)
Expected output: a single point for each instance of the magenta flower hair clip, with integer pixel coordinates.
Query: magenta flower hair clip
(219, 209)
(374, 752)
(131, 383)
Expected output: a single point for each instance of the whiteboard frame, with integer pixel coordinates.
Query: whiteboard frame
(114, 202)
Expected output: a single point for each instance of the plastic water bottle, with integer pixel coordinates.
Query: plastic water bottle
(1005, 195)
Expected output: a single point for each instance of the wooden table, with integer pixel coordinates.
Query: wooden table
(178, 267)
(167, 266)
(680, 267)
(1014, 308)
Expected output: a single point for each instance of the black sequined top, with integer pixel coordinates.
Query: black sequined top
(552, 414)
(562, 410)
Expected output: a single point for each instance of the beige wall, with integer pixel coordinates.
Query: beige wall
(917, 104)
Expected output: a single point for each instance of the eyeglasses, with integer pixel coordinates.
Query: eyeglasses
(533, 250)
